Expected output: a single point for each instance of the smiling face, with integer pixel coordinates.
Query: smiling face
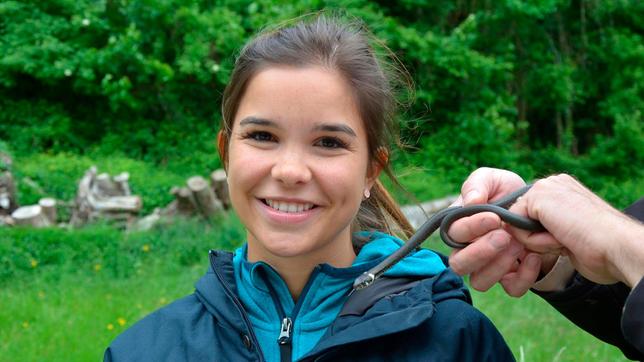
(298, 165)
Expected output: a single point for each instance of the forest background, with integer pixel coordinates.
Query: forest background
(537, 87)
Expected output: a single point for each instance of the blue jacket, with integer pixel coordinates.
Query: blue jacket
(395, 319)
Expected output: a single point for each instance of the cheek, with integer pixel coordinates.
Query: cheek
(345, 181)
(245, 168)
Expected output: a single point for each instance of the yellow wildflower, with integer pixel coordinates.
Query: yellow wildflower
(97, 267)
(34, 263)
(145, 248)
(110, 326)
(121, 321)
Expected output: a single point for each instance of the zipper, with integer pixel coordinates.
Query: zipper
(285, 338)
(237, 304)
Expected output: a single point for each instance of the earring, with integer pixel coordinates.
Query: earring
(366, 193)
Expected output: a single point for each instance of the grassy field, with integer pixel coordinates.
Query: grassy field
(57, 311)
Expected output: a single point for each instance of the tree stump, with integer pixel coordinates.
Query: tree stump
(219, 183)
(205, 200)
(48, 206)
(184, 203)
(32, 215)
(8, 201)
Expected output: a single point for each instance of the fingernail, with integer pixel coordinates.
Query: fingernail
(500, 241)
(471, 196)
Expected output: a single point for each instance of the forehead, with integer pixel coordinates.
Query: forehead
(300, 96)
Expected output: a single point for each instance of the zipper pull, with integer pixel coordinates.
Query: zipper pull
(285, 331)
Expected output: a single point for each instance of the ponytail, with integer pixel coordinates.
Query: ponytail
(380, 212)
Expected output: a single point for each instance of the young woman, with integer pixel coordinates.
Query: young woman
(307, 120)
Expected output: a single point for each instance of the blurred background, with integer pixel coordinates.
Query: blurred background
(134, 86)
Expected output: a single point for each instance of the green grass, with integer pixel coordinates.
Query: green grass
(76, 316)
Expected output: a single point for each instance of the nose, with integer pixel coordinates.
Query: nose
(291, 168)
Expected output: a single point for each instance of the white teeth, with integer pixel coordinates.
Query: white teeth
(289, 206)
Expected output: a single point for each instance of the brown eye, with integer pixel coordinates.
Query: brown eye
(260, 136)
(331, 142)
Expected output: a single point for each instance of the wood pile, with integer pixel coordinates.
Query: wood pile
(198, 198)
(101, 196)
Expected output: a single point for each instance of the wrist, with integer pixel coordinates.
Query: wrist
(627, 260)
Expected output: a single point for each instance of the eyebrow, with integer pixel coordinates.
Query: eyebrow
(335, 127)
(257, 121)
(328, 127)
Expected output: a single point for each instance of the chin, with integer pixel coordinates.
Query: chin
(286, 249)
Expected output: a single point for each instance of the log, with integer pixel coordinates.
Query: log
(184, 202)
(8, 201)
(219, 183)
(121, 181)
(207, 204)
(32, 215)
(104, 186)
(6, 220)
(48, 206)
(115, 203)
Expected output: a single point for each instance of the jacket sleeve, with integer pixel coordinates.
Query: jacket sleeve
(600, 309)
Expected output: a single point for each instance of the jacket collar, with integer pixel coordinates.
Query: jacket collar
(401, 310)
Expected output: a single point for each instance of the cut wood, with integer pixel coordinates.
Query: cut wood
(115, 203)
(32, 215)
(105, 197)
(122, 181)
(8, 201)
(219, 182)
(203, 196)
(48, 206)
(184, 202)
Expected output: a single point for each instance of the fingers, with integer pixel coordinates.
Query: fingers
(480, 253)
(542, 242)
(489, 275)
(472, 227)
(488, 184)
(519, 282)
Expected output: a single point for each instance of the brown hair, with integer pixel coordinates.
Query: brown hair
(345, 47)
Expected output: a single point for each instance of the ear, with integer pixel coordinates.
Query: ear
(377, 164)
(222, 142)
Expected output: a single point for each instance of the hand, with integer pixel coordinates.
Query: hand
(603, 244)
(493, 253)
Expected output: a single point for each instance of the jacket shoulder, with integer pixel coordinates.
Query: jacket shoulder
(459, 323)
(182, 328)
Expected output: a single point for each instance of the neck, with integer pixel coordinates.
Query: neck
(296, 270)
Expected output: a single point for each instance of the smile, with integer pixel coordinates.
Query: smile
(288, 207)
